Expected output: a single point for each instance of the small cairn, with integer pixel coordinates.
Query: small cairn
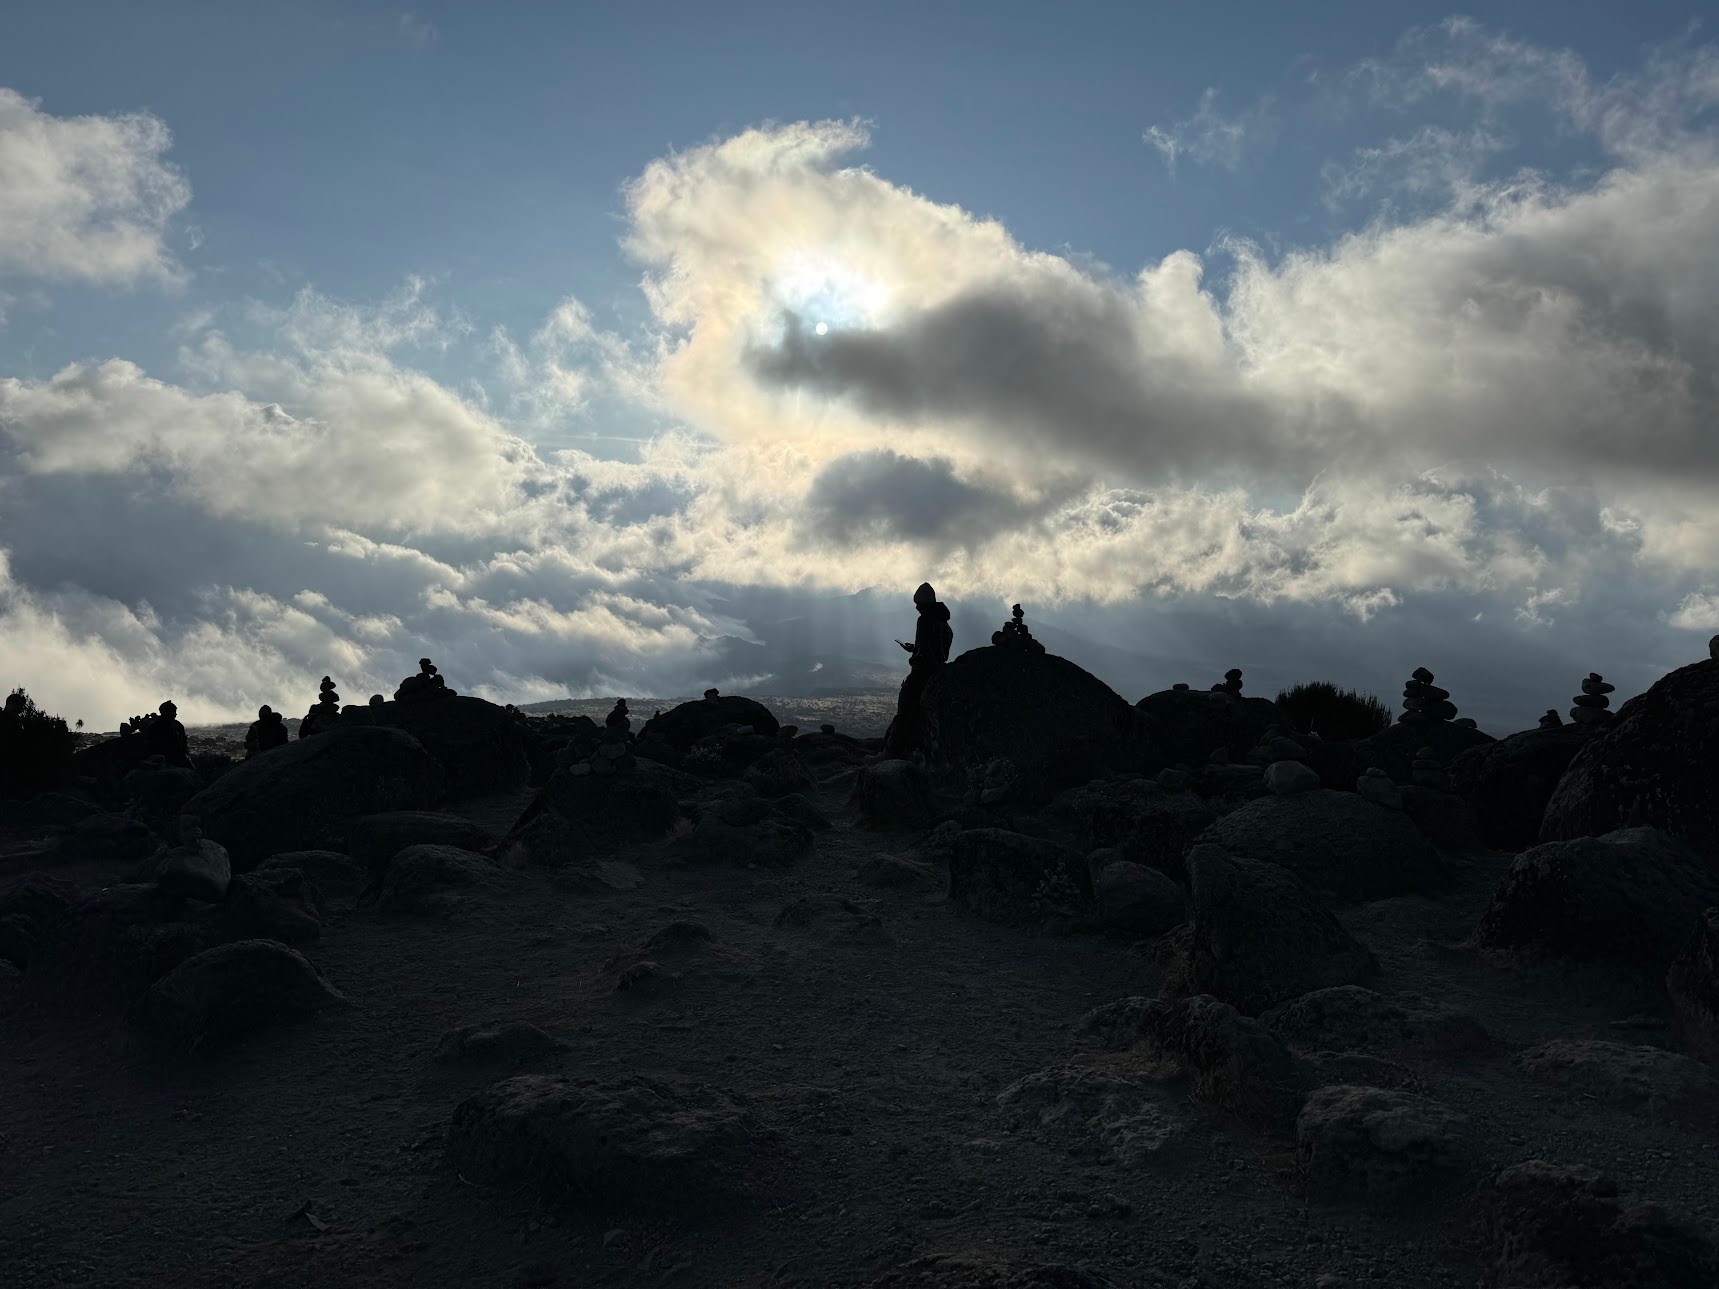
(1425, 701)
(1426, 771)
(428, 683)
(1551, 720)
(826, 728)
(1591, 704)
(1231, 684)
(1015, 635)
(1181, 687)
(619, 718)
(711, 695)
(614, 751)
(1713, 648)
(325, 715)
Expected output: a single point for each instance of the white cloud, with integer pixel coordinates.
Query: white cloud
(1211, 138)
(86, 198)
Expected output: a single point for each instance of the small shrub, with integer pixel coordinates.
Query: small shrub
(35, 748)
(1319, 707)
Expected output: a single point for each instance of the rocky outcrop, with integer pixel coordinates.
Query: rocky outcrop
(1630, 896)
(1335, 842)
(1188, 725)
(233, 989)
(434, 880)
(1134, 899)
(1379, 1145)
(1693, 983)
(1142, 820)
(680, 727)
(1349, 1018)
(1648, 1080)
(1233, 1063)
(304, 796)
(893, 796)
(1655, 763)
(375, 839)
(1508, 783)
(1058, 724)
(477, 743)
(1394, 749)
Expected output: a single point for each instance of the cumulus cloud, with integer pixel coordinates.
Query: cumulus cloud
(87, 198)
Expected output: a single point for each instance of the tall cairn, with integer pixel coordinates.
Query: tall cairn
(1425, 701)
(1591, 704)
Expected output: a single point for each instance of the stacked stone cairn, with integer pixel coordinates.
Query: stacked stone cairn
(1015, 635)
(711, 695)
(620, 718)
(614, 751)
(1551, 720)
(1425, 701)
(1230, 684)
(325, 715)
(1426, 771)
(1591, 703)
(1181, 687)
(427, 684)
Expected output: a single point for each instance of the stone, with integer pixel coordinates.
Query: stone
(1258, 937)
(1233, 1063)
(778, 773)
(1551, 720)
(232, 990)
(480, 748)
(513, 1043)
(1350, 1018)
(1630, 896)
(1379, 1145)
(1693, 984)
(1094, 1115)
(272, 904)
(1115, 1026)
(1186, 726)
(1335, 842)
(305, 796)
(771, 840)
(373, 840)
(682, 726)
(332, 873)
(1138, 900)
(832, 915)
(629, 1142)
(1377, 788)
(1142, 820)
(113, 944)
(1392, 749)
(115, 839)
(1288, 777)
(1017, 880)
(894, 871)
(198, 871)
(1654, 763)
(434, 880)
(623, 809)
(1589, 716)
(1508, 783)
(892, 796)
(1539, 1225)
(1648, 1080)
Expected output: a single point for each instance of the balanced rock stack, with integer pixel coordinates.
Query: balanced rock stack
(325, 715)
(1591, 703)
(619, 718)
(1376, 786)
(1015, 635)
(1425, 701)
(1551, 720)
(1230, 684)
(428, 683)
(614, 754)
(1426, 771)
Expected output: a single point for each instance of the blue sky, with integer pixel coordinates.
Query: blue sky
(1418, 340)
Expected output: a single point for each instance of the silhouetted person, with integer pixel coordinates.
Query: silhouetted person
(167, 736)
(926, 656)
(267, 731)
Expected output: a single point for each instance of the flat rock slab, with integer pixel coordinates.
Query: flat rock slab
(1379, 1144)
(1650, 1080)
(1096, 1114)
(626, 1142)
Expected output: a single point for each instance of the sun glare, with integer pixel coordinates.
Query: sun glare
(825, 288)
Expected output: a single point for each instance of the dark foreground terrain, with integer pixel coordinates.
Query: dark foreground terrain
(871, 1045)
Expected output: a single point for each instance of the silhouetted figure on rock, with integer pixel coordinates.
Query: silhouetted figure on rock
(427, 684)
(1230, 684)
(927, 654)
(266, 732)
(167, 737)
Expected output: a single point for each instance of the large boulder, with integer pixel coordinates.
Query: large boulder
(375, 839)
(1379, 1145)
(113, 944)
(104, 838)
(1259, 937)
(434, 880)
(1393, 749)
(779, 773)
(615, 810)
(1095, 1115)
(1631, 896)
(1136, 900)
(1336, 842)
(680, 727)
(233, 989)
(1058, 724)
(1349, 1018)
(1693, 983)
(333, 873)
(1649, 1080)
(29, 908)
(625, 1142)
(478, 743)
(271, 904)
(1655, 763)
(1017, 880)
(1539, 1225)
(303, 796)
(1508, 783)
(198, 870)
(1190, 724)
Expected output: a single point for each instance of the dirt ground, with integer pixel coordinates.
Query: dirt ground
(312, 1154)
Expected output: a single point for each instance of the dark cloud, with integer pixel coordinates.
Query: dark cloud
(884, 496)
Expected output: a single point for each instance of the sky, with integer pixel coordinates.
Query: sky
(635, 351)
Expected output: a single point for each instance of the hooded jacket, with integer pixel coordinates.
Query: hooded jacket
(932, 636)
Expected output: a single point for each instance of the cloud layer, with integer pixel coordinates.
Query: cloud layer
(1483, 432)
